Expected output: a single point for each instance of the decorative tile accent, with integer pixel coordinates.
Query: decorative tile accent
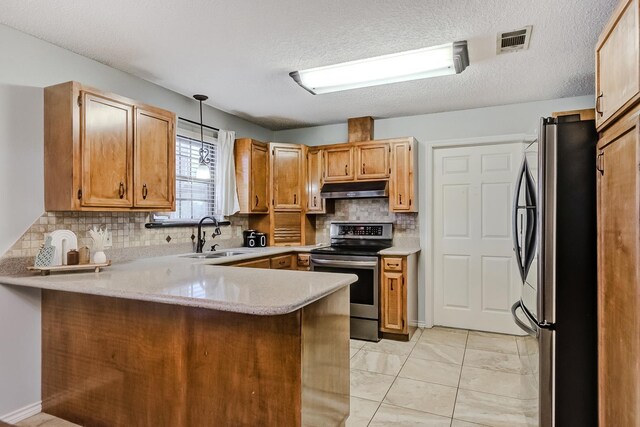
(368, 210)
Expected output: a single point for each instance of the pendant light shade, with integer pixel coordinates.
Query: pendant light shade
(203, 171)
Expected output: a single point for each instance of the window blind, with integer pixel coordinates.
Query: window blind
(195, 197)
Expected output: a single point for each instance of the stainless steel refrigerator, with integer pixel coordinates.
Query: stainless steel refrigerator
(554, 228)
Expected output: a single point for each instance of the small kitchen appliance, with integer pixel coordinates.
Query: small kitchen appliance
(254, 239)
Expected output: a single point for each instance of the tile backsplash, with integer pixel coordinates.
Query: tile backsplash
(128, 232)
(405, 225)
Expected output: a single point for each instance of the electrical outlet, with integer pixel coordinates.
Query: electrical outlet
(109, 240)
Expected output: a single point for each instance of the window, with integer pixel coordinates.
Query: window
(195, 197)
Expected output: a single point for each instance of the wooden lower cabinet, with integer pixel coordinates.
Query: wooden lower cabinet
(399, 296)
(120, 362)
(283, 262)
(259, 263)
(619, 272)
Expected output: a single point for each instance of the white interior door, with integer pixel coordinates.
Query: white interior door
(475, 273)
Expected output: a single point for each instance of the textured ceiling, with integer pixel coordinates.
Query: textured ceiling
(241, 52)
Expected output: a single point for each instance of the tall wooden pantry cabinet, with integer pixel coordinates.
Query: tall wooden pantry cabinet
(618, 177)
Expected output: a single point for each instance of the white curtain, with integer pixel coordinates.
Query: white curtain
(226, 193)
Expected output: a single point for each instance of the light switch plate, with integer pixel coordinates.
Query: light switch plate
(109, 240)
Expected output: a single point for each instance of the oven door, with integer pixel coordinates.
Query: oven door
(364, 292)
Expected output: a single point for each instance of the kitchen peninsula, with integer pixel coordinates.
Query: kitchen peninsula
(177, 341)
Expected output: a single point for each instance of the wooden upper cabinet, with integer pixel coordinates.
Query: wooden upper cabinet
(252, 175)
(618, 64)
(105, 152)
(106, 144)
(287, 176)
(372, 160)
(154, 160)
(338, 163)
(403, 184)
(315, 203)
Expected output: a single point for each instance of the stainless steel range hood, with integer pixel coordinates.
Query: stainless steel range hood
(355, 190)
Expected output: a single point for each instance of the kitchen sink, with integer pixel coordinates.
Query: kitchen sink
(220, 254)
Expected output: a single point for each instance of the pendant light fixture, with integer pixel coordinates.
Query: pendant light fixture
(203, 171)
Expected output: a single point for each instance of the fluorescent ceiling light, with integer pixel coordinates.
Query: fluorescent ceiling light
(450, 58)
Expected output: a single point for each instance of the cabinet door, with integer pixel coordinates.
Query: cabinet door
(401, 182)
(154, 160)
(618, 63)
(393, 301)
(618, 276)
(286, 170)
(106, 143)
(287, 228)
(259, 189)
(315, 203)
(372, 161)
(338, 164)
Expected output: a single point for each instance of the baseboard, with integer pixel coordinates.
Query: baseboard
(22, 413)
(419, 323)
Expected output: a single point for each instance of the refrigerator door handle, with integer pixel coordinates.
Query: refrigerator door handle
(531, 330)
(516, 241)
(546, 226)
(531, 215)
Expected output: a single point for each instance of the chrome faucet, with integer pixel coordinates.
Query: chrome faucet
(201, 239)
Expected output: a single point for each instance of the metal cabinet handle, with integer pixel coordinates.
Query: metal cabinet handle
(393, 265)
(346, 169)
(600, 163)
(598, 110)
(315, 201)
(391, 283)
(256, 200)
(145, 191)
(295, 198)
(364, 168)
(399, 199)
(121, 190)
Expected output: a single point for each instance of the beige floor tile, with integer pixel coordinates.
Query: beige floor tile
(427, 397)
(357, 343)
(361, 412)
(402, 348)
(417, 334)
(452, 337)
(489, 409)
(45, 420)
(389, 415)
(374, 361)
(495, 361)
(438, 353)
(460, 423)
(492, 342)
(353, 352)
(370, 385)
(430, 371)
(519, 386)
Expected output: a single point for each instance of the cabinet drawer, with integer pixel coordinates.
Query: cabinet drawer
(304, 260)
(392, 264)
(261, 263)
(281, 262)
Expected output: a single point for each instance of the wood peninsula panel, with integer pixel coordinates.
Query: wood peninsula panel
(117, 362)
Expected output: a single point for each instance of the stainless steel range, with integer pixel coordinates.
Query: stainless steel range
(354, 250)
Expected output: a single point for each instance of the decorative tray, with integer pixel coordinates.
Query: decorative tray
(45, 271)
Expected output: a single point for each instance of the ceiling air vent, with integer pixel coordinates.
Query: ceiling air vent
(513, 41)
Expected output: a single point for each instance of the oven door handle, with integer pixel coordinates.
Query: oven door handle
(344, 263)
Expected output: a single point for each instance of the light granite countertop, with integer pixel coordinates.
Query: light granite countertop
(177, 279)
(400, 250)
